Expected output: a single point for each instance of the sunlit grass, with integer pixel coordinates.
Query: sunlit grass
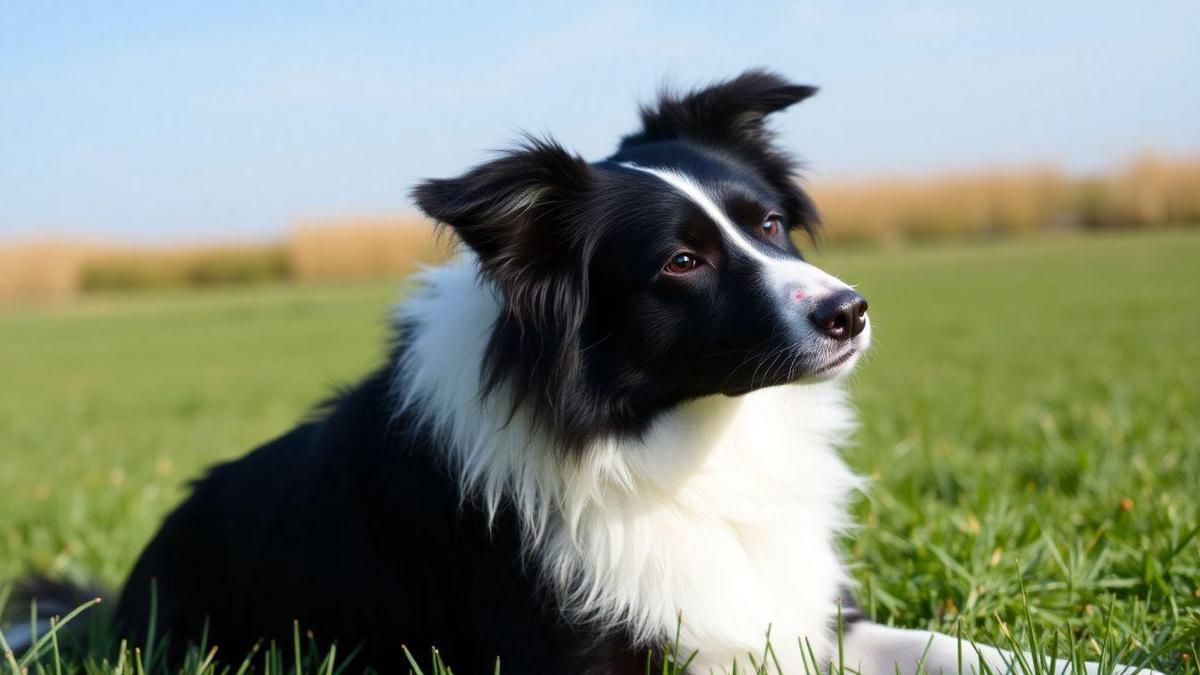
(1031, 414)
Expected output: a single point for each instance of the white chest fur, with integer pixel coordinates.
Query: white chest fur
(724, 513)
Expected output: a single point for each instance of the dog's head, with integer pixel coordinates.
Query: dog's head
(666, 272)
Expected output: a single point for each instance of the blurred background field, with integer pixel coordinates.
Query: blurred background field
(1029, 402)
(318, 250)
(1151, 192)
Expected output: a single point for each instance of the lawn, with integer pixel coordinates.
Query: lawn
(1030, 416)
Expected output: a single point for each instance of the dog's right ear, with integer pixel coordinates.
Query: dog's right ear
(514, 211)
(731, 116)
(730, 113)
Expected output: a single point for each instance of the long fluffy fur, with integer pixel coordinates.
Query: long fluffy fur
(726, 509)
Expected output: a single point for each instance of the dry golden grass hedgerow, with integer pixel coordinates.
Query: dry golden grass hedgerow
(43, 270)
(363, 248)
(183, 267)
(1151, 191)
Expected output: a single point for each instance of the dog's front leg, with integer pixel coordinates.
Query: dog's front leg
(872, 649)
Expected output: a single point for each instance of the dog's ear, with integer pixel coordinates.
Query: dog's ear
(730, 116)
(521, 214)
(729, 112)
(514, 211)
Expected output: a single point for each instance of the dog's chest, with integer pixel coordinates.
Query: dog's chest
(728, 522)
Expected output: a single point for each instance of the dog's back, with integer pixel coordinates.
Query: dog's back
(349, 526)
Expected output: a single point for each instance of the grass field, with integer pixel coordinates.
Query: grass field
(1031, 412)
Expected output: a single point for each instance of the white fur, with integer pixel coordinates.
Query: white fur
(726, 512)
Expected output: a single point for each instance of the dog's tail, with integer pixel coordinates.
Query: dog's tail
(37, 605)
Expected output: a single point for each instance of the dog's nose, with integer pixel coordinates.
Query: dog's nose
(842, 315)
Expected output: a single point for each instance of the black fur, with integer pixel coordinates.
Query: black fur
(349, 525)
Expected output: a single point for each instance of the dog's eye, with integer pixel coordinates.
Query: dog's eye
(772, 225)
(682, 263)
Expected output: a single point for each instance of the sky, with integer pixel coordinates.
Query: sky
(206, 121)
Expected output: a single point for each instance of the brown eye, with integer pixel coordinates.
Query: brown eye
(681, 263)
(772, 225)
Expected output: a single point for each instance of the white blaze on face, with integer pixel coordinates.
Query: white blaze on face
(782, 274)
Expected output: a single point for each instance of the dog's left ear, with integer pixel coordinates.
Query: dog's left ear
(521, 214)
(515, 211)
(731, 116)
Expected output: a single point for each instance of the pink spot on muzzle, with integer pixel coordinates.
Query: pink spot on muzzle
(799, 295)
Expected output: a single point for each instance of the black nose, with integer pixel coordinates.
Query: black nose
(841, 316)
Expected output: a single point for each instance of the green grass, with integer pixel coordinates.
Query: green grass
(1031, 413)
(1033, 405)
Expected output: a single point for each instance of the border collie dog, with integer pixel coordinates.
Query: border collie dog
(616, 412)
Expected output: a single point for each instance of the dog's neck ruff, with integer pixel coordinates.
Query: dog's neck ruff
(725, 512)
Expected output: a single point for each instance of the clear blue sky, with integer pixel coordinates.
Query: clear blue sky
(184, 121)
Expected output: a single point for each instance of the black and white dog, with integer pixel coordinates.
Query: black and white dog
(619, 408)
